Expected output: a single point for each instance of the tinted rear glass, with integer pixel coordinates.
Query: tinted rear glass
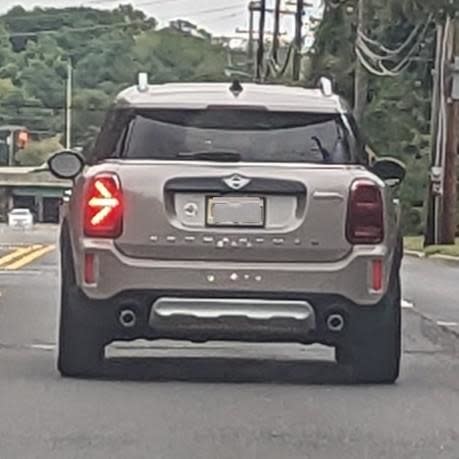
(254, 135)
(20, 212)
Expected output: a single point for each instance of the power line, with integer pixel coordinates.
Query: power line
(49, 108)
(112, 26)
(62, 15)
(148, 3)
(277, 70)
(77, 29)
(394, 54)
(211, 11)
(227, 16)
(361, 77)
(365, 54)
(334, 4)
(390, 52)
(55, 13)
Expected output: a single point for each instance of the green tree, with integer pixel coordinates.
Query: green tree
(107, 49)
(37, 152)
(397, 118)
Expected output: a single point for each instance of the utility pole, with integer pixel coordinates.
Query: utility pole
(298, 40)
(261, 40)
(68, 106)
(275, 45)
(250, 50)
(277, 13)
(431, 233)
(260, 7)
(449, 202)
(361, 75)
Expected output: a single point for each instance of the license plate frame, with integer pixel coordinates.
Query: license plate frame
(214, 218)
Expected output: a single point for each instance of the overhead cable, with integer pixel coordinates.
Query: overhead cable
(279, 70)
(374, 62)
(110, 26)
(395, 51)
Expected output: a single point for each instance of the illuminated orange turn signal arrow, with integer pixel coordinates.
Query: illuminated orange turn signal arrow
(105, 202)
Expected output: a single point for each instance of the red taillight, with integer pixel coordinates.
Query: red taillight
(365, 220)
(103, 211)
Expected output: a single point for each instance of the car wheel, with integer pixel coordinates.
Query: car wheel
(81, 345)
(373, 347)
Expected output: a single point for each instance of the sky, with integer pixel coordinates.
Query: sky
(220, 17)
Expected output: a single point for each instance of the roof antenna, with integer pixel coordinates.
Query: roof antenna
(326, 86)
(142, 82)
(236, 88)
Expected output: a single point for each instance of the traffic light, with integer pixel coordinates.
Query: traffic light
(22, 139)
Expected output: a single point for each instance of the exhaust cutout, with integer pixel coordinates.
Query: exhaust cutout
(127, 318)
(335, 323)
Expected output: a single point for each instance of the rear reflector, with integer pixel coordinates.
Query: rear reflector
(365, 220)
(89, 268)
(376, 275)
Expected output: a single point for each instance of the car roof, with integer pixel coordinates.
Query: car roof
(20, 210)
(202, 95)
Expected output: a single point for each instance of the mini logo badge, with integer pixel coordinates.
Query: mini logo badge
(236, 182)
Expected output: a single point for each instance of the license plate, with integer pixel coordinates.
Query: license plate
(236, 211)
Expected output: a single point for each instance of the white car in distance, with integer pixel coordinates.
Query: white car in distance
(20, 218)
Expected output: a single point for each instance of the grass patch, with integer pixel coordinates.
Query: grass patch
(416, 243)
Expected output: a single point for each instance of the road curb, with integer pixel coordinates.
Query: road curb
(439, 256)
(414, 253)
(442, 335)
(435, 256)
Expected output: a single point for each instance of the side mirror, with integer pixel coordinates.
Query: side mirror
(66, 164)
(391, 170)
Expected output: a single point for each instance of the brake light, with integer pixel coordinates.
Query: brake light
(365, 220)
(103, 212)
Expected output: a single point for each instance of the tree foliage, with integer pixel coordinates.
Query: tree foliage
(107, 49)
(37, 152)
(397, 117)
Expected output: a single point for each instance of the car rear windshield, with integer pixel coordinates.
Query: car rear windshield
(255, 135)
(20, 212)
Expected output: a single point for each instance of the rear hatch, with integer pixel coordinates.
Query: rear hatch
(234, 185)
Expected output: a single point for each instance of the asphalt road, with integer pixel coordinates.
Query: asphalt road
(214, 401)
(433, 286)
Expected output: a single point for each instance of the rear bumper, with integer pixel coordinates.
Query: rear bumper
(201, 316)
(115, 273)
(13, 223)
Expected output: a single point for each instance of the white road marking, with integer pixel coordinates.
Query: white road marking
(24, 272)
(43, 347)
(447, 324)
(407, 304)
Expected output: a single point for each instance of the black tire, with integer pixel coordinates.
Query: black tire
(373, 347)
(81, 345)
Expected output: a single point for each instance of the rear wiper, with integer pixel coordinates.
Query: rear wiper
(212, 155)
(326, 156)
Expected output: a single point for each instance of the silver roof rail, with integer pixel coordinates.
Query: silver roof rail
(142, 82)
(326, 86)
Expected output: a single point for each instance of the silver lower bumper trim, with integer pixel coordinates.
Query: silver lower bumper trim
(230, 318)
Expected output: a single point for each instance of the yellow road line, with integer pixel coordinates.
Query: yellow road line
(26, 260)
(18, 253)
